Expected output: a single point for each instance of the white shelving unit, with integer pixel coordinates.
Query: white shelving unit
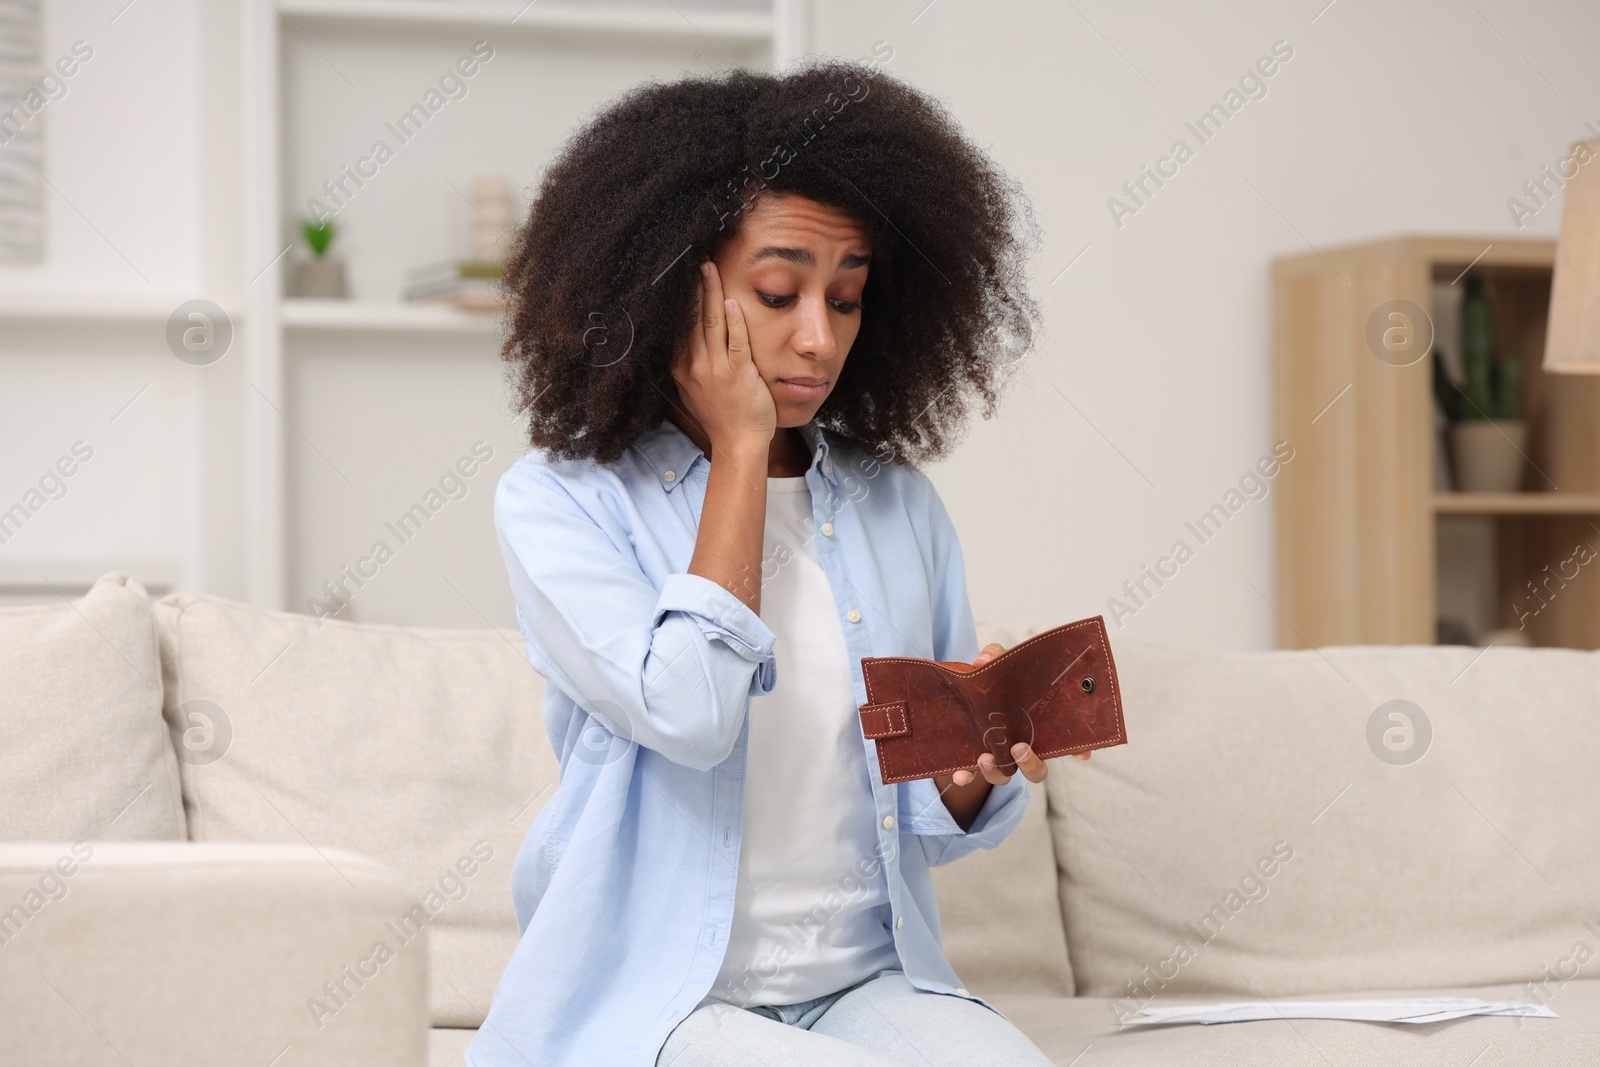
(57, 310)
(376, 316)
(721, 26)
(318, 76)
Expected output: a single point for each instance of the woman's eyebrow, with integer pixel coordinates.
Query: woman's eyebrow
(802, 257)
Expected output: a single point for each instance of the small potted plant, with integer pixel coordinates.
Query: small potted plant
(322, 275)
(1488, 441)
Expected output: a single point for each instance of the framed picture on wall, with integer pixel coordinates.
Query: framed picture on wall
(23, 94)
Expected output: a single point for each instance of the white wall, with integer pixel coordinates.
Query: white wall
(130, 216)
(1419, 117)
(1413, 117)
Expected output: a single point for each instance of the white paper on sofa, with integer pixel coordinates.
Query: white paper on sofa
(1405, 1010)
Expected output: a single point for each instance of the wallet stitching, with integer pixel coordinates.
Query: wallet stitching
(895, 769)
(895, 729)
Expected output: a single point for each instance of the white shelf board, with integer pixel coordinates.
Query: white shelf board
(716, 25)
(89, 307)
(376, 316)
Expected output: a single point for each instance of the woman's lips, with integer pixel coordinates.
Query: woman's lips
(805, 388)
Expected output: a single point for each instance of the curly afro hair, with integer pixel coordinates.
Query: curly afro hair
(601, 279)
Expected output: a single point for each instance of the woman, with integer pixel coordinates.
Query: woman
(743, 307)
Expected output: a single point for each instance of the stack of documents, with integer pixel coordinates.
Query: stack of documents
(1414, 1010)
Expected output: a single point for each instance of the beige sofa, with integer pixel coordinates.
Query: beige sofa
(234, 837)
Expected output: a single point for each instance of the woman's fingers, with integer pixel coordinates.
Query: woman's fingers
(738, 334)
(991, 771)
(1028, 762)
(1032, 767)
(697, 337)
(722, 386)
(712, 319)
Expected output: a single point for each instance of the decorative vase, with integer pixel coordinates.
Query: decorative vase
(322, 278)
(1488, 454)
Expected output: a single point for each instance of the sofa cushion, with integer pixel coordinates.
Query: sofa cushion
(999, 909)
(1065, 1028)
(422, 748)
(448, 1048)
(175, 953)
(87, 756)
(1258, 836)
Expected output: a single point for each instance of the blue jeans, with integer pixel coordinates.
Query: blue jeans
(881, 1021)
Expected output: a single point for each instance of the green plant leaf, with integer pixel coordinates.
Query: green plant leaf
(319, 235)
(1507, 383)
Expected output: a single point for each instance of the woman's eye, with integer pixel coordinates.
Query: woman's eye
(773, 301)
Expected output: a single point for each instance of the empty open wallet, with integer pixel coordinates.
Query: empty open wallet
(1057, 691)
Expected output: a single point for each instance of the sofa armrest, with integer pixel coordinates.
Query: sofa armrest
(191, 953)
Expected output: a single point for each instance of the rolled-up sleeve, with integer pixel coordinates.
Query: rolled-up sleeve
(725, 616)
(942, 838)
(955, 639)
(670, 668)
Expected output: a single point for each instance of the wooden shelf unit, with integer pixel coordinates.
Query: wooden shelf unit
(1358, 512)
(1516, 503)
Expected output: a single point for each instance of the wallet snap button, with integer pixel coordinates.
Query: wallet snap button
(1087, 684)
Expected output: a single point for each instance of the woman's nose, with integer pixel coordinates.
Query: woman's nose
(815, 332)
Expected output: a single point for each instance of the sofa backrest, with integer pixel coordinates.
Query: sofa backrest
(1268, 829)
(426, 749)
(421, 748)
(86, 755)
(1265, 832)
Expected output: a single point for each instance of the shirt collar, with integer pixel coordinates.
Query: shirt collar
(671, 453)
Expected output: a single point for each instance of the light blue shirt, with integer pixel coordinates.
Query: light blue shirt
(624, 887)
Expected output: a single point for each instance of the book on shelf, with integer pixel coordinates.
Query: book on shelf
(473, 285)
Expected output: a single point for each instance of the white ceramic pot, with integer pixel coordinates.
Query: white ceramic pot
(323, 277)
(1488, 454)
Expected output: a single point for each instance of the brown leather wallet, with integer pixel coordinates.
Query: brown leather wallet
(1057, 691)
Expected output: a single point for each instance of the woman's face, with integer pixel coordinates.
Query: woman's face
(797, 269)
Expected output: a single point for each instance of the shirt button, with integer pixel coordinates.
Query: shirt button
(899, 921)
(827, 468)
(962, 990)
(827, 529)
(888, 822)
(853, 615)
(671, 476)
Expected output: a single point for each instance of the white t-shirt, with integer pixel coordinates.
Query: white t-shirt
(807, 920)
